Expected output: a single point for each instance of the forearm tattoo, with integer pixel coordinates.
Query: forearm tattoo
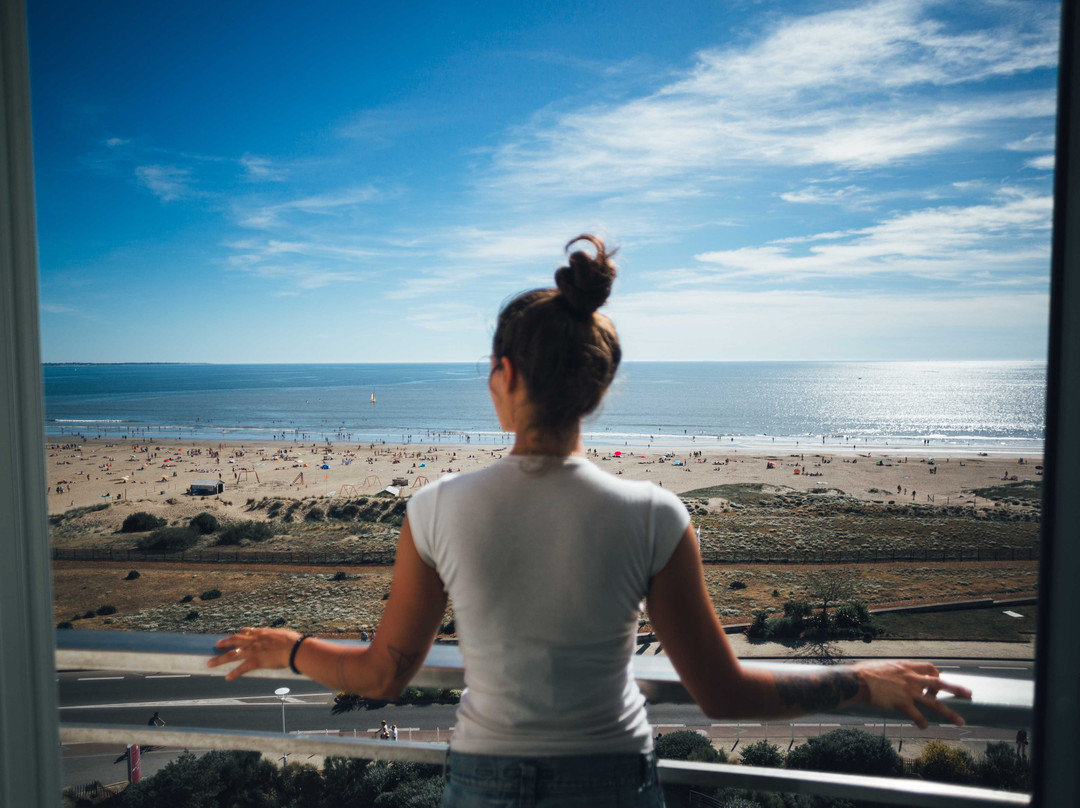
(816, 691)
(402, 661)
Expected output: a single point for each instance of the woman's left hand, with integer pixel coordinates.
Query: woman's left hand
(255, 648)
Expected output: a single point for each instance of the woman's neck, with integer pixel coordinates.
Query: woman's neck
(536, 442)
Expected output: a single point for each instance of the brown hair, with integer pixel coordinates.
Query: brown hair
(565, 351)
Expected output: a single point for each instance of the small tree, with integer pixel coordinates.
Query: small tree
(827, 589)
(849, 751)
(685, 744)
(763, 753)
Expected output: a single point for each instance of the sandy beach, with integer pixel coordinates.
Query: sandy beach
(93, 472)
(318, 497)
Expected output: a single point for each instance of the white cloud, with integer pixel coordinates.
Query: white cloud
(168, 183)
(816, 194)
(55, 308)
(1035, 142)
(262, 169)
(944, 243)
(856, 88)
(1043, 163)
(116, 141)
(267, 216)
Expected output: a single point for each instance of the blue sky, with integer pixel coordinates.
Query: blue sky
(342, 181)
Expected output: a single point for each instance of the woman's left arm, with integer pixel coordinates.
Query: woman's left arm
(407, 630)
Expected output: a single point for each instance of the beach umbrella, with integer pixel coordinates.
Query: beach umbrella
(618, 454)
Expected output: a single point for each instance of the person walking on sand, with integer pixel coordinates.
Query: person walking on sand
(546, 558)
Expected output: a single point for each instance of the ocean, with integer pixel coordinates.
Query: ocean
(992, 406)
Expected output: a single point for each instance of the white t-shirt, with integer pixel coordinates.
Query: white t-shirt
(546, 561)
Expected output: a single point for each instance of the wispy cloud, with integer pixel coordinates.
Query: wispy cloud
(941, 244)
(1034, 142)
(270, 215)
(818, 195)
(262, 169)
(855, 88)
(167, 183)
(116, 141)
(1043, 163)
(55, 308)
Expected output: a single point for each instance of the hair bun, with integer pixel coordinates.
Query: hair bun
(586, 281)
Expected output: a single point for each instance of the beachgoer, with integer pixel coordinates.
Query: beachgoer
(155, 721)
(393, 732)
(547, 559)
(1021, 743)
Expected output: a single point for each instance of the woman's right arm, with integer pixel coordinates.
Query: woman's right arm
(684, 621)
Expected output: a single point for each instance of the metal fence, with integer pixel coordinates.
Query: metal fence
(371, 557)
(997, 703)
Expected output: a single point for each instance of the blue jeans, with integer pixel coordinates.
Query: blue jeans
(576, 781)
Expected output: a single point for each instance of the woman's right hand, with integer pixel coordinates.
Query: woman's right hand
(908, 688)
(255, 648)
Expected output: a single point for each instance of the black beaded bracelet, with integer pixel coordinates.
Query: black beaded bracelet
(292, 654)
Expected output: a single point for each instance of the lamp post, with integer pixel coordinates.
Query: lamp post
(281, 693)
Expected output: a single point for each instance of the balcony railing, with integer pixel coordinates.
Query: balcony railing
(996, 703)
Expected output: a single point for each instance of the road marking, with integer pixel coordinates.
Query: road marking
(99, 678)
(818, 725)
(169, 676)
(1002, 668)
(669, 725)
(947, 667)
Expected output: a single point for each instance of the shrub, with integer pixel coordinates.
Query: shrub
(759, 628)
(131, 576)
(106, 609)
(685, 744)
(168, 540)
(187, 598)
(87, 615)
(65, 624)
(1001, 768)
(204, 524)
(340, 576)
(449, 627)
(736, 585)
(797, 609)
(140, 522)
(210, 594)
(854, 615)
(786, 627)
(236, 533)
(945, 764)
(849, 751)
(763, 753)
(192, 615)
(314, 515)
